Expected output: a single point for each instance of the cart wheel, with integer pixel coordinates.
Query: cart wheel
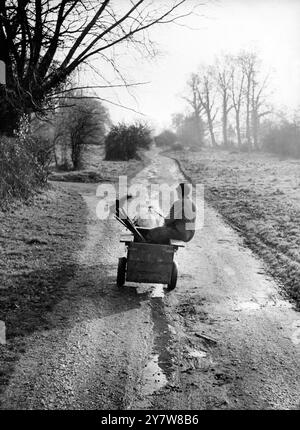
(121, 272)
(174, 275)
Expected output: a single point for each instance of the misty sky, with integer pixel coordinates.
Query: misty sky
(225, 26)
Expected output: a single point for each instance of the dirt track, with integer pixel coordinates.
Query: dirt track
(223, 339)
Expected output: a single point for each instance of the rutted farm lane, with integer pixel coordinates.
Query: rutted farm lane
(222, 339)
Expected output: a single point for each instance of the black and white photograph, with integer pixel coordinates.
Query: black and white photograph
(149, 208)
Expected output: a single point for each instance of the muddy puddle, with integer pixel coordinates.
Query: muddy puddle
(153, 377)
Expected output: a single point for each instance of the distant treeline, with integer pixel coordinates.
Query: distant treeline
(282, 138)
(229, 106)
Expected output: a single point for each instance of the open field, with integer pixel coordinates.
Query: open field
(259, 195)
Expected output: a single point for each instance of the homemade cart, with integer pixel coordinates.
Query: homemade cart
(148, 263)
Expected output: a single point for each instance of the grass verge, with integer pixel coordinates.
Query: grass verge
(38, 242)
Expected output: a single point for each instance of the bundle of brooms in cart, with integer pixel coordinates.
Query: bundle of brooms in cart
(125, 220)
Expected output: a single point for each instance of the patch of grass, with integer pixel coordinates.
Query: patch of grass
(259, 195)
(37, 259)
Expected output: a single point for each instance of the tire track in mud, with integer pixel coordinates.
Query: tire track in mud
(159, 368)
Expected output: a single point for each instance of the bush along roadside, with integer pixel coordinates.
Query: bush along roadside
(123, 142)
(24, 164)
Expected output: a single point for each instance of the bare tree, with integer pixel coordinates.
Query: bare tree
(83, 122)
(44, 41)
(237, 93)
(231, 83)
(197, 107)
(223, 76)
(248, 62)
(207, 97)
(254, 94)
(259, 107)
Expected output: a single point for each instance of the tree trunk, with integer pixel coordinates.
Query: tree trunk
(9, 119)
(55, 155)
(224, 123)
(199, 129)
(76, 153)
(255, 129)
(248, 125)
(238, 128)
(224, 129)
(211, 131)
(248, 135)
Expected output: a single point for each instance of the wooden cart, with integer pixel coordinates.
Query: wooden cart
(148, 263)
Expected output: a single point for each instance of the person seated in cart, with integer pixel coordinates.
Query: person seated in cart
(179, 224)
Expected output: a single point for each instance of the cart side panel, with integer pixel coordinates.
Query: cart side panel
(143, 273)
(149, 263)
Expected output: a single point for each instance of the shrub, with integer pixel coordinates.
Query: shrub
(17, 177)
(178, 147)
(189, 130)
(123, 141)
(24, 161)
(165, 138)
